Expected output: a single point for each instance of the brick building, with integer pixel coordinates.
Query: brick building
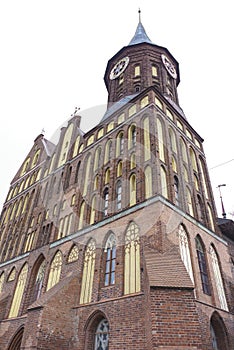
(110, 238)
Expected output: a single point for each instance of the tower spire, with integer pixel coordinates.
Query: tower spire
(140, 35)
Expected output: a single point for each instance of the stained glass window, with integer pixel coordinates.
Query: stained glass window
(102, 335)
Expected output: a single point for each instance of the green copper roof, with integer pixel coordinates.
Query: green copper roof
(140, 35)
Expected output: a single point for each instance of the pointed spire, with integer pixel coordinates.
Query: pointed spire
(140, 35)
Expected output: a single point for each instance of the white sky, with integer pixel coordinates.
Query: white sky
(54, 54)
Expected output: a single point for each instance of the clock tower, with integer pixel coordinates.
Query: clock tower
(139, 65)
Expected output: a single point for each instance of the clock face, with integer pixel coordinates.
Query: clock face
(169, 66)
(119, 68)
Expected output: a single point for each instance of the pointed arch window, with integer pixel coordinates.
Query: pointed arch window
(120, 144)
(86, 174)
(132, 190)
(102, 335)
(218, 333)
(93, 210)
(88, 273)
(120, 168)
(107, 176)
(211, 221)
(106, 202)
(160, 140)
(97, 158)
(55, 270)
(133, 161)
(174, 165)
(65, 145)
(172, 140)
(193, 159)
(202, 168)
(77, 172)
(189, 202)
(81, 218)
(37, 288)
(183, 151)
(19, 291)
(218, 279)
(185, 251)
(202, 266)
(110, 254)
(146, 126)
(164, 182)
(73, 255)
(176, 190)
(108, 151)
(132, 260)
(119, 195)
(148, 182)
(132, 136)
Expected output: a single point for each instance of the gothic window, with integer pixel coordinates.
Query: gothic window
(73, 255)
(96, 182)
(76, 146)
(86, 174)
(55, 270)
(193, 159)
(35, 158)
(196, 182)
(132, 136)
(105, 202)
(81, 217)
(37, 287)
(146, 126)
(174, 165)
(185, 251)
(119, 168)
(25, 203)
(15, 343)
(148, 182)
(110, 254)
(218, 279)
(77, 172)
(118, 195)
(132, 189)
(189, 202)
(172, 140)
(97, 157)
(202, 167)
(68, 177)
(132, 260)
(107, 176)
(183, 151)
(93, 210)
(120, 144)
(176, 191)
(218, 333)
(160, 140)
(19, 291)
(199, 208)
(65, 145)
(12, 275)
(102, 336)
(202, 266)
(1, 282)
(163, 182)
(211, 221)
(108, 150)
(133, 161)
(88, 273)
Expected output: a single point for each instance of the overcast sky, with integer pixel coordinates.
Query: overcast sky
(54, 54)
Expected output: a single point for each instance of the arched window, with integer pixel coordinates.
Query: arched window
(120, 144)
(119, 195)
(15, 343)
(96, 183)
(55, 270)
(97, 157)
(65, 145)
(202, 265)
(185, 251)
(86, 174)
(19, 291)
(202, 168)
(172, 140)
(196, 182)
(132, 189)
(107, 176)
(133, 161)
(132, 282)
(183, 151)
(81, 218)
(76, 146)
(1, 282)
(77, 172)
(38, 284)
(148, 182)
(200, 209)
(193, 159)
(218, 279)
(164, 182)
(147, 153)
(110, 257)
(68, 177)
(176, 190)
(211, 221)
(93, 210)
(35, 158)
(218, 333)
(132, 136)
(105, 202)
(174, 165)
(102, 335)
(160, 140)
(88, 273)
(73, 255)
(189, 202)
(119, 168)
(108, 151)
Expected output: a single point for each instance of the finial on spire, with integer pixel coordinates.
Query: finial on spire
(139, 12)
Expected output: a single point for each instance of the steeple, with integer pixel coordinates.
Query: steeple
(140, 35)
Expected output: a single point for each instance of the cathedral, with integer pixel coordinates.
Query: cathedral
(110, 239)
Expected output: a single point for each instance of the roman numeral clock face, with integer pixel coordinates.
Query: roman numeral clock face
(169, 66)
(118, 69)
